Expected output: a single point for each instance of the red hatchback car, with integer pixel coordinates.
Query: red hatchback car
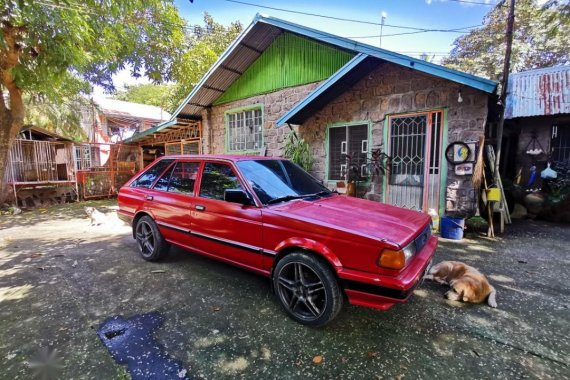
(270, 216)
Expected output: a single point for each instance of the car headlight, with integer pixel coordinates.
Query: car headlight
(392, 259)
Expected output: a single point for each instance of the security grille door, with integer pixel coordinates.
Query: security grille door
(415, 149)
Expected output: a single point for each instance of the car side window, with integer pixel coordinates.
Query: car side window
(183, 177)
(146, 179)
(216, 178)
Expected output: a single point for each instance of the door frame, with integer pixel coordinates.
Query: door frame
(442, 160)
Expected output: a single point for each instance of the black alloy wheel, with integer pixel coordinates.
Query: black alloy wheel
(152, 246)
(307, 289)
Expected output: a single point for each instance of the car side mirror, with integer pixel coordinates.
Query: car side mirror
(237, 196)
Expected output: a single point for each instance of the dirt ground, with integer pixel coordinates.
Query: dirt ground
(61, 278)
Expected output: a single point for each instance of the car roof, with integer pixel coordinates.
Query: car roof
(226, 157)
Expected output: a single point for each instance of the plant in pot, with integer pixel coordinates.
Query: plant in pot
(298, 151)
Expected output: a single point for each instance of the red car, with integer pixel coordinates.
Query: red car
(270, 216)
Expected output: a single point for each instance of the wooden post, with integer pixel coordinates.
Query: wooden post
(505, 81)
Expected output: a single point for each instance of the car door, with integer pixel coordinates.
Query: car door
(228, 230)
(171, 200)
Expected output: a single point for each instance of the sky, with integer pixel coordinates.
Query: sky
(429, 14)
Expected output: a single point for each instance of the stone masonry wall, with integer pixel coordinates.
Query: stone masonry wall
(275, 104)
(390, 89)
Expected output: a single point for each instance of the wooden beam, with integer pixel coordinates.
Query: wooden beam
(251, 48)
(231, 70)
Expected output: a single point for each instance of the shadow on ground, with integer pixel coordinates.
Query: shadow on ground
(60, 279)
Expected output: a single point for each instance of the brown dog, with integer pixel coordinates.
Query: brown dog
(467, 283)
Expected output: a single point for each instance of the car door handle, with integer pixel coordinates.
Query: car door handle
(200, 207)
(149, 197)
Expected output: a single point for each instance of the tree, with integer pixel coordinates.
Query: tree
(62, 118)
(206, 43)
(151, 94)
(540, 40)
(56, 48)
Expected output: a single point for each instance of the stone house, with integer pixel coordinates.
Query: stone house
(344, 98)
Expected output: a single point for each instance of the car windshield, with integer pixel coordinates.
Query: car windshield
(277, 181)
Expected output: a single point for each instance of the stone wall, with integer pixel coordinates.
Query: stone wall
(391, 89)
(275, 104)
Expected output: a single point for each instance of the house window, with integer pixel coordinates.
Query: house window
(245, 130)
(82, 157)
(348, 150)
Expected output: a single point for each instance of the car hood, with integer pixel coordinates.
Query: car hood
(359, 216)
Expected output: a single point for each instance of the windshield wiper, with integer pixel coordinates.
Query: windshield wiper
(287, 198)
(292, 197)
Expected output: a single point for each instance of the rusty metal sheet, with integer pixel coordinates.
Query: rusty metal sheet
(538, 92)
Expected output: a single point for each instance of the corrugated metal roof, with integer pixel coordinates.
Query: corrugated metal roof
(538, 92)
(114, 107)
(251, 43)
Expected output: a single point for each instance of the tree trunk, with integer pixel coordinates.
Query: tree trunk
(12, 116)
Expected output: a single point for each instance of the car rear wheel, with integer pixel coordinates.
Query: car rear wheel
(152, 246)
(307, 289)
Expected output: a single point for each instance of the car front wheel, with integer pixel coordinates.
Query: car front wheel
(152, 246)
(307, 289)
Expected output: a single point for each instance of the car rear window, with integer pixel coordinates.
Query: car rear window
(146, 179)
(179, 179)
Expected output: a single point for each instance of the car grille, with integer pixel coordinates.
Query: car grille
(422, 238)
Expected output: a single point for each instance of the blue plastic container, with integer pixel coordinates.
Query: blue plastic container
(452, 228)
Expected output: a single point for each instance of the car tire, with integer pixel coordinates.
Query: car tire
(307, 289)
(151, 244)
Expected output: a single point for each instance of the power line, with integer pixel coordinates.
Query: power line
(479, 3)
(348, 19)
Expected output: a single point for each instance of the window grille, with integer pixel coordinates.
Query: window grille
(351, 140)
(82, 157)
(245, 130)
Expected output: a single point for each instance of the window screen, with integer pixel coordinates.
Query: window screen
(352, 141)
(216, 178)
(245, 130)
(148, 177)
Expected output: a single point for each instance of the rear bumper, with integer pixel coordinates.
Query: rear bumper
(125, 217)
(382, 291)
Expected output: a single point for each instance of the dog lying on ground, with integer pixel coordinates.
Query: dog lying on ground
(96, 216)
(467, 283)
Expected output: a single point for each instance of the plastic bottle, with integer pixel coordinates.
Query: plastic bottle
(434, 219)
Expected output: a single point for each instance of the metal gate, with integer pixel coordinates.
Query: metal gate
(414, 145)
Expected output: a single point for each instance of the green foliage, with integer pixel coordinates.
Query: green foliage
(540, 40)
(151, 94)
(298, 151)
(65, 46)
(206, 43)
(62, 118)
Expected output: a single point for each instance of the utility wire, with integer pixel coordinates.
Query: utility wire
(348, 19)
(500, 3)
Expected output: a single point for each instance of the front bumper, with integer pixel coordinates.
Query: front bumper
(383, 291)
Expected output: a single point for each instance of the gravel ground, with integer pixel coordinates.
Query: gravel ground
(60, 279)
